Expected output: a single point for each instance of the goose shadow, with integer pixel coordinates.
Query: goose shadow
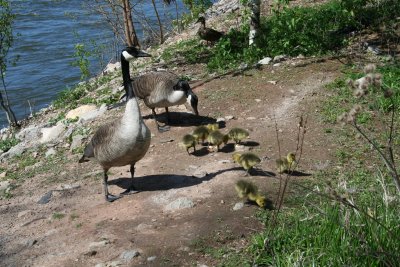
(200, 152)
(181, 119)
(297, 173)
(255, 172)
(163, 181)
(250, 143)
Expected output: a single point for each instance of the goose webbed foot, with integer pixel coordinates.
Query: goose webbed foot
(163, 129)
(130, 191)
(111, 198)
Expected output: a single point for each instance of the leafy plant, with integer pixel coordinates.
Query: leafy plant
(8, 143)
(81, 60)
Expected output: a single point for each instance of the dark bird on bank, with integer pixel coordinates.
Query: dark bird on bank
(124, 141)
(208, 34)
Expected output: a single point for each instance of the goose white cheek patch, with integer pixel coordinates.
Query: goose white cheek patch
(127, 56)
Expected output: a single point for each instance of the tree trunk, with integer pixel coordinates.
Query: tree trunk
(254, 20)
(12, 120)
(130, 33)
(159, 22)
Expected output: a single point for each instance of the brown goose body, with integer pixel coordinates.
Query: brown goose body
(208, 34)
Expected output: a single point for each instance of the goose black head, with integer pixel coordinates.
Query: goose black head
(131, 52)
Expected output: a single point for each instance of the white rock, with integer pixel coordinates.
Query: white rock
(129, 255)
(4, 185)
(16, 150)
(76, 141)
(3, 174)
(180, 203)
(200, 174)
(29, 134)
(229, 117)
(279, 58)
(152, 258)
(99, 244)
(80, 111)
(238, 206)
(276, 65)
(265, 61)
(50, 152)
(111, 67)
(52, 133)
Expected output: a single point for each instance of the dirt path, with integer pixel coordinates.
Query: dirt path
(186, 202)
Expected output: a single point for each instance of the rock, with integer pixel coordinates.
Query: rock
(3, 175)
(229, 117)
(79, 111)
(16, 150)
(258, 100)
(220, 119)
(152, 258)
(180, 203)
(91, 115)
(29, 134)
(46, 198)
(279, 58)
(67, 187)
(276, 65)
(200, 174)
(272, 82)
(129, 255)
(90, 253)
(265, 61)
(50, 152)
(238, 206)
(31, 243)
(99, 244)
(51, 134)
(4, 185)
(111, 67)
(77, 141)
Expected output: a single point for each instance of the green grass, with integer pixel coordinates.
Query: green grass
(8, 143)
(57, 216)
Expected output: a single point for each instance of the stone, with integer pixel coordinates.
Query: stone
(129, 255)
(67, 187)
(99, 244)
(79, 111)
(32, 133)
(76, 141)
(276, 65)
(3, 175)
(50, 152)
(229, 117)
(152, 258)
(200, 174)
(111, 67)
(46, 198)
(4, 185)
(238, 206)
(265, 61)
(52, 133)
(91, 115)
(16, 150)
(279, 58)
(220, 120)
(180, 203)
(31, 242)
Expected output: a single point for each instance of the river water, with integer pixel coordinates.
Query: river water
(48, 31)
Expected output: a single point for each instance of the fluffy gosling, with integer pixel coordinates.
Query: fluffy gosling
(187, 142)
(285, 164)
(246, 160)
(216, 138)
(200, 133)
(212, 127)
(249, 191)
(238, 134)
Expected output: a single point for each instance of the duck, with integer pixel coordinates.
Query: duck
(247, 160)
(207, 34)
(163, 89)
(249, 191)
(124, 141)
(238, 134)
(286, 164)
(201, 133)
(216, 138)
(188, 141)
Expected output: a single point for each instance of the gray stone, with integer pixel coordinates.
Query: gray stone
(152, 258)
(180, 203)
(46, 198)
(229, 117)
(265, 61)
(111, 67)
(238, 206)
(129, 255)
(31, 242)
(4, 185)
(29, 134)
(279, 58)
(276, 65)
(76, 141)
(50, 152)
(3, 175)
(99, 244)
(91, 115)
(16, 150)
(52, 134)
(67, 187)
(200, 174)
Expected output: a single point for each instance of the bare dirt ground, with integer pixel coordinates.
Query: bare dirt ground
(79, 228)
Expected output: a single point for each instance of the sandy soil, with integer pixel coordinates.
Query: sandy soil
(33, 234)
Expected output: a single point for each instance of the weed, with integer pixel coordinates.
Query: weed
(8, 143)
(57, 216)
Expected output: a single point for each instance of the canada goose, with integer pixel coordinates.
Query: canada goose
(208, 34)
(287, 163)
(164, 89)
(238, 134)
(124, 141)
(188, 141)
(249, 191)
(200, 133)
(246, 160)
(216, 138)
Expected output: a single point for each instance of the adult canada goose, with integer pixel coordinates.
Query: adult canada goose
(124, 141)
(208, 34)
(249, 191)
(164, 89)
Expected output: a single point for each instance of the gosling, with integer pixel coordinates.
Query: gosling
(200, 134)
(246, 160)
(216, 138)
(188, 141)
(286, 164)
(249, 191)
(238, 134)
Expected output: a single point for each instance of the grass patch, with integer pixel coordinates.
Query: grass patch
(57, 216)
(8, 143)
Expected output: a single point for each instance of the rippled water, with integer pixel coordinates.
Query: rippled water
(48, 31)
